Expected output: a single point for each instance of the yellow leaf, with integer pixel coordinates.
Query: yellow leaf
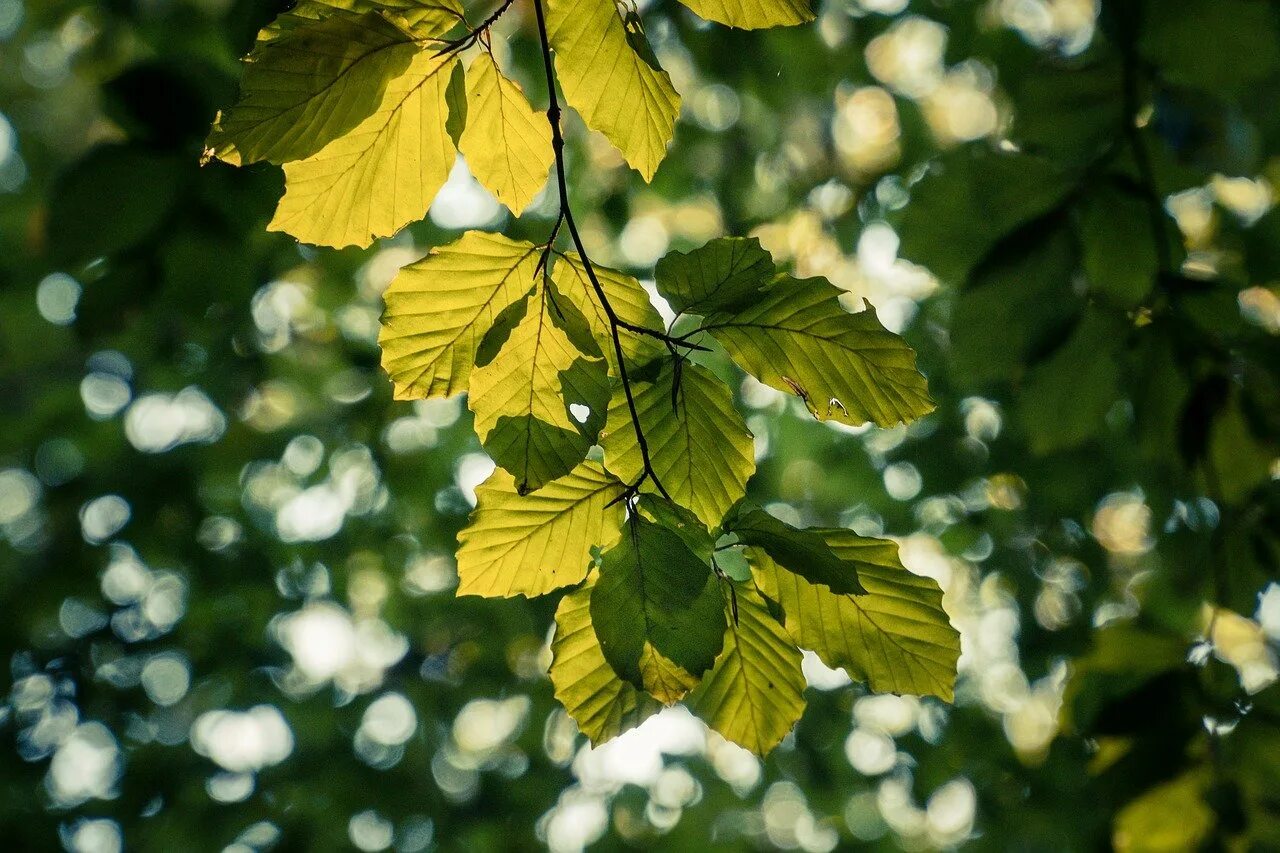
(752, 14)
(618, 89)
(439, 309)
(603, 705)
(424, 18)
(507, 144)
(628, 299)
(524, 399)
(531, 544)
(755, 692)
(896, 637)
(381, 176)
(701, 450)
(1169, 818)
(310, 86)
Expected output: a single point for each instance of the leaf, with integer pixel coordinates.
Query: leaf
(846, 367)
(752, 14)
(896, 638)
(721, 276)
(522, 398)
(1118, 253)
(755, 692)
(701, 450)
(310, 86)
(439, 309)
(802, 551)
(657, 611)
(603, 705)
(1170, 817)
(1186, 39)
(507, 144)
(628, 299)
(617, 90)
(424, 18)
(528, 545)
(381, 176)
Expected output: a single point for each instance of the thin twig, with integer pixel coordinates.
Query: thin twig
(480, 31)
(566, 213)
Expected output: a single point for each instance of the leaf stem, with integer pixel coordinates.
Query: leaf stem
(465, 41)
(566, 214)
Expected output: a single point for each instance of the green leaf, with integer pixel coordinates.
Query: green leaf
(528, 545)
(424, 18)
(657, 611)
(679, 521)
(969, 201)
(896, 638)
(440, 308)
(628, 299)
(522, 398)
(1169, 817)
(310, 86)
(701, 451)
(603, 705)
(721, 276)
(617, 90)
(752, 14)
(1220, 45)
(1119, 254)
(799, 550)
(507, 144)
(755, 692)
(846, 367)
(382, 175)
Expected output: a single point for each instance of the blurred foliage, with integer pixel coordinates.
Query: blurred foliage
(227, 554)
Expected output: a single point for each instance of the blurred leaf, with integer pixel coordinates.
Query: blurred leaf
(1169, 818)
(1118, 254)
(1221, 44)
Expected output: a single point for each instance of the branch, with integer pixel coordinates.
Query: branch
(566, 215)
(480, 31)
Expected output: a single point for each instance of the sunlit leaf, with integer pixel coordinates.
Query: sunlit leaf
(423, 18)
(381, 176)
(439, 309)
(507, 144)
(603, 705)
(847, 367)
(701, 450)
(626, 296)
(896, 638)
(310, 86)
(802, 551)
(720, 276)
(755, 692)
(752, 14)
(618, 89)
(540, 402)
(657, 611)
(1168, 818)
(531, 544)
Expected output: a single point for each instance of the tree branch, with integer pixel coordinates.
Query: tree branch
(566, 215)
(476, 34)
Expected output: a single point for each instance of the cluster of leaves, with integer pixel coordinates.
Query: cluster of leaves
(558, 356)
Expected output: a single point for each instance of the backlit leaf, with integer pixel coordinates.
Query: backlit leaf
(381, 176)
(721, 276)
(310, 86)
(802, 551)
(617, 89)
(439, 309)
(752, 14)
(531, 544)
(896, 638)
(755, 692)
(603, 705)
(507, 144)
(626, 296)
(423, 18)
(657, 611)
(701, 450)
(524, 398)
(847, 367)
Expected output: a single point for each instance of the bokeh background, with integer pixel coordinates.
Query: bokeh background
(226, 607)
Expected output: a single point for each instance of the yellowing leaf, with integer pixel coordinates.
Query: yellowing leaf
(507, 144)
(381, 176)
(896, 638)
(846, 367)
(603, 705)
(657, 611)
(439, 309)
(524, 399)
(1172, 817)
(309, 87)
(752, 14)
(424, 18)
(755, 692)
(701, 450)
(531, 544)
(617, 89)
(628, 299)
